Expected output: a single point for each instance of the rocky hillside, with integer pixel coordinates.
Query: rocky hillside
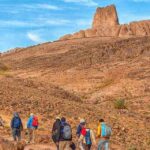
(91, 78)
(83, 78)
(106, 24)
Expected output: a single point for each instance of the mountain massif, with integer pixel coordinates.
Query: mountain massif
(106, 24)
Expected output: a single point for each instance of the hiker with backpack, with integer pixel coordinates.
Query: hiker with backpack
(32, 126)
(65, 135)
(16, 126)
(104, 132)
(87, 138)
(56, 132)
(81, 127)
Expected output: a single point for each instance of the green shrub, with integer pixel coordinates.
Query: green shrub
(119, 104)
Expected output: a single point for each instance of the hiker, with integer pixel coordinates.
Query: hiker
(56, 132)
(65, 135)
(104, 133)
(16, 126)
(1, 122)
(32, 126)
(87, 138)
(81, 127)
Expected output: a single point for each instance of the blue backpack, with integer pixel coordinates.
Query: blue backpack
(66, 131)
(16, 122)
(88, 138)
(105, 130)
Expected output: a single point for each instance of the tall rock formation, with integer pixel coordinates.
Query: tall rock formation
(106, 24)
(105, 17)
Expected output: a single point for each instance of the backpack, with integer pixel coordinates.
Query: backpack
(88, 138)
(16, 122)
(55, 130)
(67, 132)
(105, 130)
(79, 129)
(35, 122)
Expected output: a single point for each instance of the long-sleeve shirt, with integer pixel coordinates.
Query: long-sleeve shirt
(13, 124)
(99, 130)
(29, 122)
(83, 134)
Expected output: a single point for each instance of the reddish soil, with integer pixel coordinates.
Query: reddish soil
(81, 78)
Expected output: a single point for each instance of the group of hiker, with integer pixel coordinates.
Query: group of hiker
(62, 133)
(17, 127)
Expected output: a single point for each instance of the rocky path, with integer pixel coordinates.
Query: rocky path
(39, 147)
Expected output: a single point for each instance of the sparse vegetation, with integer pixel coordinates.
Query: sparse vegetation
(3, 69)
(132, 148)
(119, 104)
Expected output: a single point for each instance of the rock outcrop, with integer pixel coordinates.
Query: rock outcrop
(105, 17)
(106, 23)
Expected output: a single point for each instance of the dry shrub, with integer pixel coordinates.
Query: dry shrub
(119, 104)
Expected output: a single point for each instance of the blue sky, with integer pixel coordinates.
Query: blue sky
(29, 22)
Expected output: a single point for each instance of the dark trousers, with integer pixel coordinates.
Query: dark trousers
(16, 133)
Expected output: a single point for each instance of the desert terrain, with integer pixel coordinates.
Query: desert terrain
(82, 77)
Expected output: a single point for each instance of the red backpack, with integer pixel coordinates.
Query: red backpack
(35, 122)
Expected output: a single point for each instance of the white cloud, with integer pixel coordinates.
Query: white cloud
(38, 22)
(34, 37)
(16, 23)
(41, 6)
(84, 2)
(57, 22)
(19, 8)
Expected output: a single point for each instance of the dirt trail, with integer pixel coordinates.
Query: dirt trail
(39, 147)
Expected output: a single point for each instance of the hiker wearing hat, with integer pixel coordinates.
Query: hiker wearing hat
(81, 129)
(56, 132)
(16, 126)
(103, 133)
(32, 125)
(65, 135)
(87, 137)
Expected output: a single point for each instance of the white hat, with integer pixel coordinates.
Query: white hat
(31, 114)
(58, 118)
(82, 120)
